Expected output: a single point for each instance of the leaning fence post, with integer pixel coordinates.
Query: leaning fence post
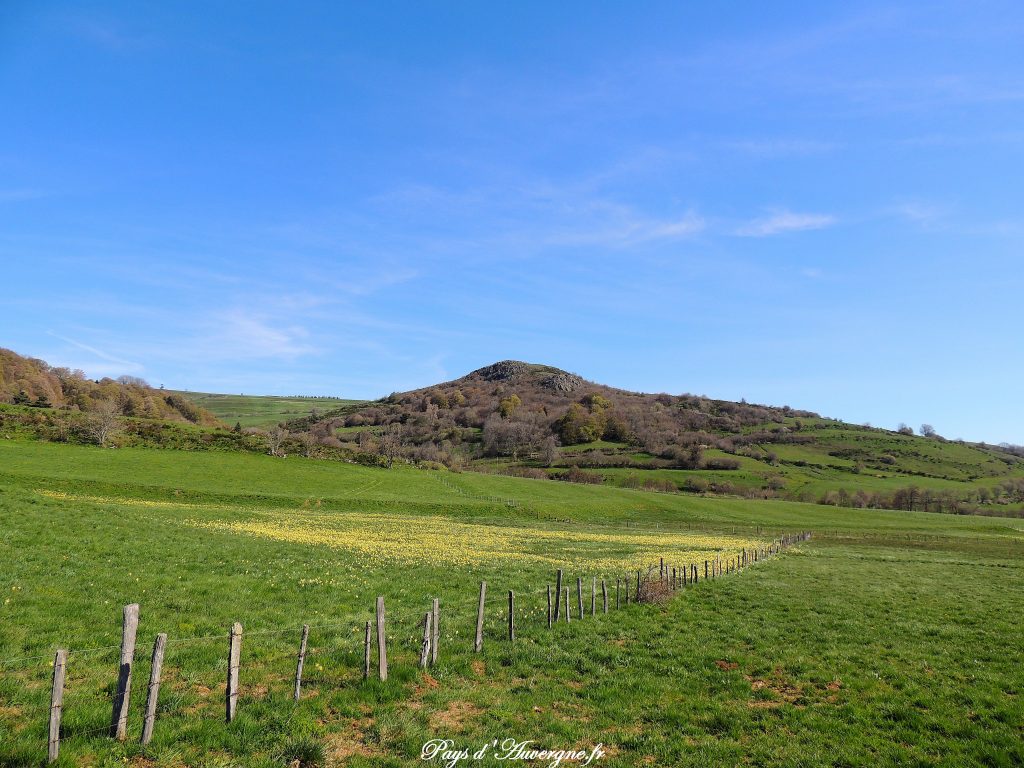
(604, 595)
(558, 593)
(479, 644)
(129, 628)
(60, 663)
(435, 628)
(367, 643)
(301, 661)
(152, 694)
(234, 661)
(425, 647)
(382, 641)
(511, 615)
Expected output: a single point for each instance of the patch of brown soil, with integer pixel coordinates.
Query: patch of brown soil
(478, 667)
(452, 719)
(345, 744)
(783, 692)
(726, 665)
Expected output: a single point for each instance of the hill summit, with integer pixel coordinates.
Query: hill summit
(517, 371)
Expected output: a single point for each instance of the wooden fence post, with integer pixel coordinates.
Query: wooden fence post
(435, 627)
(694, 566)
(567, 617)
(234, 662)
(153, 693)
(479, 644)
(705, 570)
(593, 596)
(425, 647)
(60, 663)
(129, 628)
(558, 593)
(604, 595)
(617, 594)
(300, 662)
(674, 582)
(368, 641)
(511, 615)
(382, 641)
(638, 586)
(579, 595)
(549, 606)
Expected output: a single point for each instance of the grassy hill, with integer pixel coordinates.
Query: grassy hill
(890, 638)
(537, 421)
(262, 411)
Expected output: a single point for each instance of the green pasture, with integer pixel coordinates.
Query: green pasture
(891, 638)
(262, 411)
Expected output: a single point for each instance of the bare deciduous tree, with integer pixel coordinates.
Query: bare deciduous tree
(105, 421)
(391, 443)
(275, 437)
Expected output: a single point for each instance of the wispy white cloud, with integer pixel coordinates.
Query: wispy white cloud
(781, 147)
(247, 334)
(124, 366)
(624, 226)
(782, 222)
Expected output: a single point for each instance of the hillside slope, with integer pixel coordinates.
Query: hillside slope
(538, 421)
(32, 382)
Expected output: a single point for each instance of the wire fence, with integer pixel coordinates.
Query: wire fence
(196, 675)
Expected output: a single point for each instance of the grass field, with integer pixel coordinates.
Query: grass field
(892, 638)
(262, 410)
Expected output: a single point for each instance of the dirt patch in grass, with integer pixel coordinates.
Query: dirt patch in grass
(726, 665)
(343, 745)
(782, 691)
(453, 718)
(478, 667)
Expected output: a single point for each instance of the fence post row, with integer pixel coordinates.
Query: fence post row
(558, 592)
(129, 629)
(367, 642)
(300, 662)
(60, 663)
(425, 647)
(152, 694)
(479, 644)
(234, 661)
(672, 576)
(382, 641)
(435, 625)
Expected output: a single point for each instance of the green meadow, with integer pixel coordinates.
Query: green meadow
(891, 638)
(262, 411)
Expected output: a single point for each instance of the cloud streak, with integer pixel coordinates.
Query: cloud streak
(783, 222)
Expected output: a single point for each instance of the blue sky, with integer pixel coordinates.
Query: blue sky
(815, 204)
